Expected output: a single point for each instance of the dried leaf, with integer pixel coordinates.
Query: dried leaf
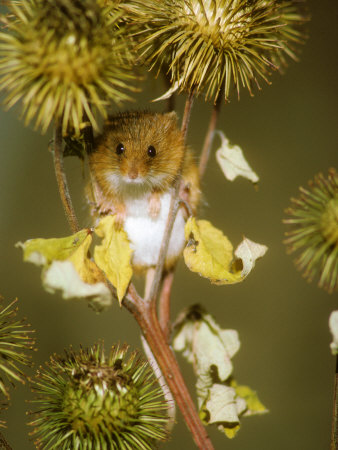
(223, 406)
(113, 256)
(209, 349)
(44, 251)
(253, 404)
(67, 267)
(62, 275)
(207, 346)
(232, 161)
(248, 252)
(333, 324)
(210, 253)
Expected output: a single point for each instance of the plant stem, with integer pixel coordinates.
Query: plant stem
(62, 180)
(145, 315)
(209, 136)
(186, 115)
(165, 388)
(334, 432)
(174, 206)
(164, 304)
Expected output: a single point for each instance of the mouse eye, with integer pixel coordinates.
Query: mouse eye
(151, 151)
(119, 149)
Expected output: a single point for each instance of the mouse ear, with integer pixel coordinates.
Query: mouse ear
(172, 118)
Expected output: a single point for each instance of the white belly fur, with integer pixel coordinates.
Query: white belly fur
(146, 233)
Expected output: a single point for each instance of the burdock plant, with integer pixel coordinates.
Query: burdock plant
(88, 400)
(313, 230)
(208, 45)
(313, 236)
(15, 341)
(64, 60)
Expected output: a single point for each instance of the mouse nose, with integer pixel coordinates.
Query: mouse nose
(133, 173)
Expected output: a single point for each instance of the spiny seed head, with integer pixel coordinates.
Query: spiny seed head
(15, 341)
(208, 45)
(64, 59)
(86, 400)
(314, 234)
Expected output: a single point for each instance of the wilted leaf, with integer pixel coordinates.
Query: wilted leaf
(210, 348)
(62, 275)
(67, 267)
(232, 161)
(210, 253)
(248, 252)
(254, 405)
(223, 406)
(43, 251)
(113, 256)
(333, 324)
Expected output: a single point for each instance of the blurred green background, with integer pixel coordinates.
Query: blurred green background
(289, 133)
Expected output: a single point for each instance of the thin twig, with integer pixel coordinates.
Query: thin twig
(145, 315)
(209, 136)
(174, 206)
(186, 115)
(161, 381)
(171, 100)
(164, 304)
(62, 180)
(334, 432)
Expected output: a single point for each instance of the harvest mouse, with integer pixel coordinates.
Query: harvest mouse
(134, 165)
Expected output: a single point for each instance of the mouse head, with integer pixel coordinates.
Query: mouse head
(141, 150)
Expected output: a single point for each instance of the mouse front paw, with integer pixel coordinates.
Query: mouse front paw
(120, 216)
(154, 206)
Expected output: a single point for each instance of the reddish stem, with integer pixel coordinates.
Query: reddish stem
(209, 136)
(61, 179)
(334, 433)
(164, 304)
(186, 115)
(145, 315)
(174, 206)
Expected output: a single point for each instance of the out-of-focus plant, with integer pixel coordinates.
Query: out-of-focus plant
(313, 236)
(15, 341)
(64, 60)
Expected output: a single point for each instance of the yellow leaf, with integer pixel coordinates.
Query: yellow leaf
(43, 251)
(67, 267)
(254, 405)
(230, 432)
(86, 268)
(210, 253)
(113, 256)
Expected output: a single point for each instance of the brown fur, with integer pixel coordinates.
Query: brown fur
(137, 131)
